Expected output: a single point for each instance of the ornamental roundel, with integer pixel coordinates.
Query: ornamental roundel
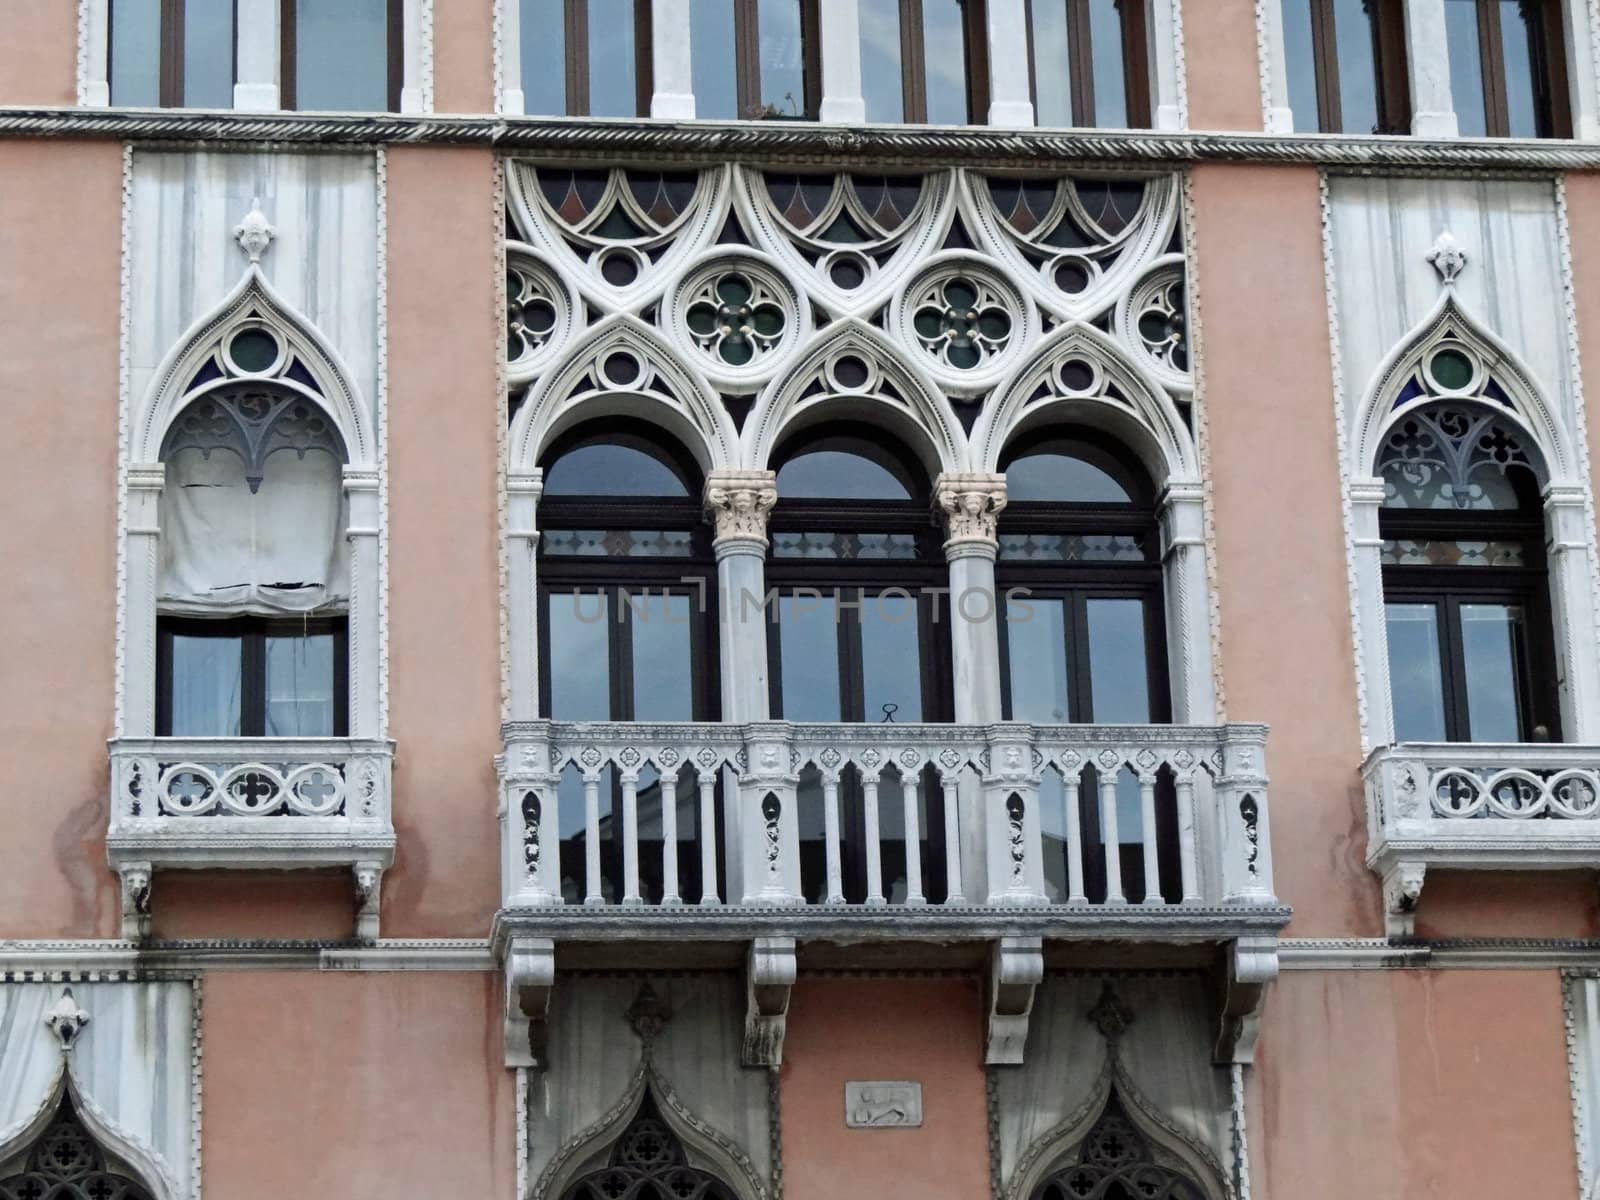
(1153, 319)
(739, 317)
(539, 314)
(966, 320)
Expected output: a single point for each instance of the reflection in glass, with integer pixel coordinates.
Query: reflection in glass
(838, 475)
(341, 55)
(1492, 651)
(579, 655)
(1036, 640)
(1047, 475)
(135, 48)
(808, 654)
(1300, 65)
(207, 55)
(613, 84)
(1118, 681)
(812, 823)
(712, 60)
(662, 657)
(782, 57)
(611, 469)
(206, 686)
(544, 57)
(1466, 66)
(1517, 44)
(1051, 56)
(572, 819)
(1415, 679)
(1105, 44)
(945, 62)
(1358, 70)
(299, 683)
(1053, 831)
(891, 658)
(882, 85)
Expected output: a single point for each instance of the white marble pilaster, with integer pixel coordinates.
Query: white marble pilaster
(1010, 104)
(842, 102)
(508, 35)
(94, 41)
(1572, 602)
(1169, 109)
(416, 28)
(673, 68)
(1581, 67)
(258, 54)
(1366, 498)
(145, 483)
(1276, 115)
(1433, 113)
(365, 627)
(523, 490)
(738, 503)
(1183, 562)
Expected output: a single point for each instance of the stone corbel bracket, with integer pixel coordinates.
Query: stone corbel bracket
(136, 879)
(530, 967)
(1016, 968)
(1248, 967)
(770, 974)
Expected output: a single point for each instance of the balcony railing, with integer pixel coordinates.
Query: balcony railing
(1517, 807)
(615, 815)
(249, 803)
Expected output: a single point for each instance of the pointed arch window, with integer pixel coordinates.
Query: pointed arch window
(648, 1162)
(1466, 593)
(65, 1163)
(1116, 1162)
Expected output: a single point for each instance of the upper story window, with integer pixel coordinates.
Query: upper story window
(1507, 68)
(341, 55)
(1087, 63)
(586, 58)
(1345, 62)
(171, 53)
(924, 61)
(1466, 596)
(755, 59)
(254, 578)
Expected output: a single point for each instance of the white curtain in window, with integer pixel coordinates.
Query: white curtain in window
(226, 548)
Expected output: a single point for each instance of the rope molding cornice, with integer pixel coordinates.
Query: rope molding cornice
(569, 138)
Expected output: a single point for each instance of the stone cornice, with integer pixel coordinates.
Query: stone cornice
(785, 141)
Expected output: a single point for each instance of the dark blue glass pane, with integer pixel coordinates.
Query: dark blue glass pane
(136, 52)
(1466, 66)
(1061, 477)
(838, 475)
(1415, 672)
(662, 658)
(712, 59)
(808, 657)
(1300, 64)
(544, 57)
(577, 644)
(613, 86)
(881, 81)
(891, 658)
(1105, 45)
(208, 54)
(1036, 642)
(611, 470)
(1118, 673)
(1358, 70)
(1521, 111)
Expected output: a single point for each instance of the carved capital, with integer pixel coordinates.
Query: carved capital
(970, 504)
(738, 503)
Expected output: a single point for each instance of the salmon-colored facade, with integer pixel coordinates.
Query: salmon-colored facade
(840, 949)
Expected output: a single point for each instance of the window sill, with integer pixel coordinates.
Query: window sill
(1477, 806)
(266, 804)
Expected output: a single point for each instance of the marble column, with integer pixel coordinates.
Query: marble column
(1010, 102)
(738, 502)
(257, 53)
(143, 565)
(523, 489)
(671, 62)
(1433, 112)
(841, 63)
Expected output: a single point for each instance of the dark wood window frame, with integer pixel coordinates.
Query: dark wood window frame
(575, 18)
(253, 633)
(1552, 112)
(1449, 587)
(747, 43)
(170, 94)
(1080, 65)
(287, 98)
(914, 63)
(1393, 101)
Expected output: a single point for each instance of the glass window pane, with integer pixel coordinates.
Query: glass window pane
(1358, 71)
(613, 85)
(839, 475)
(208, 54)
(1415, 672)
(663, 660)
(944, 56)
(136, 52)
(578, 647)
(891, 657)
(782, 54)
(882, 81)
(1300, 65)
(1119, 684)
(1517, 48)
(1466, 65)
(608, 469)
(300, 686)
(544, 57)
(1105, 45)
(341, 55)
(1036, 642)
(712, 59)
(206, 683)
(808, 655)
(1063, 477)
(1492, 653)
(1052, 85)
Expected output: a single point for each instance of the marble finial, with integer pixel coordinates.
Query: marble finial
(1447, 257)
(255, 233)
(66, 1019)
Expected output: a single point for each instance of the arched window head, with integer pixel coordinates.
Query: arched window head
(648, 1163)
(1457, 457)
(620, 461)
(65, 1163)
(1116, 1162)
(849, 463)
(1073, 467)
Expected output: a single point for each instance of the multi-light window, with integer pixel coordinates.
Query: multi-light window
(1087, 63)
(1507, 71)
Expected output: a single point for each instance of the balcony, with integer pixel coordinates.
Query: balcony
(249, 804)
(1468, 806)
(602, 824)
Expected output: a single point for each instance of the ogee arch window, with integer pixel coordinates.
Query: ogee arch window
(65, 1163)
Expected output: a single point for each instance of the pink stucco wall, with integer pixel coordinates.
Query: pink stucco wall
(60, 238)
(1224, 75)
(46, 73)
(365, 1087)
(923, 1029)
(463, 57)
